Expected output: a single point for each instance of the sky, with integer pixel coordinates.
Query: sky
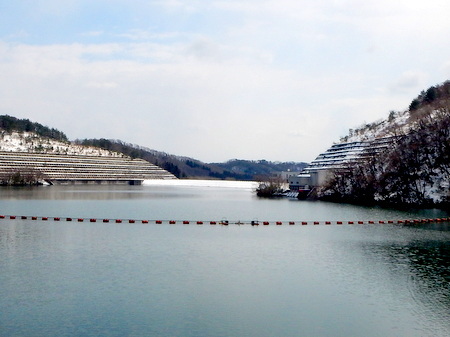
(215, 80)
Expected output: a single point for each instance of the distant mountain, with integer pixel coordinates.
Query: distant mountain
(185, 167)
(260, 167)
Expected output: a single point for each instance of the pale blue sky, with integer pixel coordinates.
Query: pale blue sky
(216, 80)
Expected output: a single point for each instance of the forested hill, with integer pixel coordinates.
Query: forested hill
(10, 124)
(185, 167)
(401, 122)
(414, 169)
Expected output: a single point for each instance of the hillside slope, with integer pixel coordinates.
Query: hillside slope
(22, 135)
(414, 169)
(398, 123)
(30, 142)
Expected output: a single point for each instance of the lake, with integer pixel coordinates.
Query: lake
(70, 278)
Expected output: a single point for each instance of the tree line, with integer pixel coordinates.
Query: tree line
(10, 124)
(432, 94)
(22, 177)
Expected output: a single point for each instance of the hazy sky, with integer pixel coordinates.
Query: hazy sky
(219, 79)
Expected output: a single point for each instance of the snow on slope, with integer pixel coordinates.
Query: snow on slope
(396, 124)
(399, 123)
(30, 142)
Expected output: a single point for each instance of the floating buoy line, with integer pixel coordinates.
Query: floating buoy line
(225, 222)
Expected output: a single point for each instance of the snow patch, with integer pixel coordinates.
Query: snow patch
(396, 124)
(30, 142)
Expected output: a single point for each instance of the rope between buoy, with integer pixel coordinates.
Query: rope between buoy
(226, 222)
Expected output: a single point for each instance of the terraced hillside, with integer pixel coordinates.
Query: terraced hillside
(22, 167)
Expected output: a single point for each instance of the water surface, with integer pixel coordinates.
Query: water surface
(107, 279)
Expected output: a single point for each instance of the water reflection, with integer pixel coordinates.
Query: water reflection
(135, 279)
(418, 259)
(182, 201)
(79, 192)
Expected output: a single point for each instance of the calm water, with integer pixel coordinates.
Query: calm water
(107, 279)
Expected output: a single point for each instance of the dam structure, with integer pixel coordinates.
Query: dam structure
(338, 157)
(80, 169)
